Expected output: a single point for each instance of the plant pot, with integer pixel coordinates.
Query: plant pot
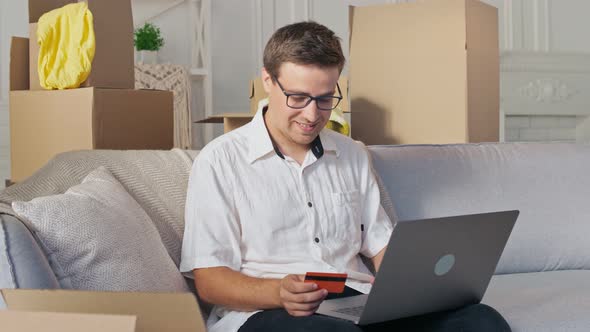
(147, 56)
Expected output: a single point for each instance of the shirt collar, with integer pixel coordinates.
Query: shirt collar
(328, 142)
(261, 143)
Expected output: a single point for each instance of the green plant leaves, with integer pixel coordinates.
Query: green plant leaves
(148, 38)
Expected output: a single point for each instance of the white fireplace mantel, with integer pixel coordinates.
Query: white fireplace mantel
(538, 83)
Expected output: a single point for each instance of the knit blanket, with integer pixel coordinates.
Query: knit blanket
(157, 180)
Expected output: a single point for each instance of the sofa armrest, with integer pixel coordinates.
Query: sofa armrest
(27, 266)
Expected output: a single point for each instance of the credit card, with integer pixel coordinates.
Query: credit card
(333, 282)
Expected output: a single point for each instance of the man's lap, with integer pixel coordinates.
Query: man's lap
(479, 317)
(281, 320)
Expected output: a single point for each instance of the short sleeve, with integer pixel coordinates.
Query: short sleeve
(212, 230)
(376, 222)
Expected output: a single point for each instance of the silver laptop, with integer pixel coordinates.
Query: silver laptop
(430, 265)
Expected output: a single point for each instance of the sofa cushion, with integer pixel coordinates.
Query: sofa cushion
(22, 263)
(542, 301)
(97, 237)
(547, 182)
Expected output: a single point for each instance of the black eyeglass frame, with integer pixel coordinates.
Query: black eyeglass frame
(311, 98)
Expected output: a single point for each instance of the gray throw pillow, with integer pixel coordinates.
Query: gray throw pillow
(97, 237)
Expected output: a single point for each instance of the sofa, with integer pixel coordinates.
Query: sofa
(542, 282)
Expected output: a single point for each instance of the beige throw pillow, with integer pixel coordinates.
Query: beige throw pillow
(97, 237)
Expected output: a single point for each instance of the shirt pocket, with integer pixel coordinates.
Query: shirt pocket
(345, 216)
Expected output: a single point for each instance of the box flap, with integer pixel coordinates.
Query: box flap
(481, 22)
(219, 118)
(344, 103)
(155, 312)
(62, 322)
(483, 61)
(40, 7)
(19, 63)
(230, 121)
(256, 93)
(251, 89)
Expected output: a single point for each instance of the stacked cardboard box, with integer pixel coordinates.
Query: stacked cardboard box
(104, 113)
(425, 72)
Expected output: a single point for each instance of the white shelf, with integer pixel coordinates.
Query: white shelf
(198, 72)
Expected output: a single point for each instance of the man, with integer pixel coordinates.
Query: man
(282, 196)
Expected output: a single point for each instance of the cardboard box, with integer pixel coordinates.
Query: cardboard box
(45, 123)
(257, 93)
(113, 64)
(232, 121)
(425, 72)
(70, 310)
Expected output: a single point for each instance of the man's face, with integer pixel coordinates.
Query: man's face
(298, 127)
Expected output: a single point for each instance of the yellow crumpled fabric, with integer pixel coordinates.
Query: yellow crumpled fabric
(66, 46)
(338, 123)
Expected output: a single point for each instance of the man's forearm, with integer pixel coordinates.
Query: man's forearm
(223, 286)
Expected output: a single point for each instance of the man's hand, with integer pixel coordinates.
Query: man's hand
(300, 298)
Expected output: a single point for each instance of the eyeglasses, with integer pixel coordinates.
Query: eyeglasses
(301, 100)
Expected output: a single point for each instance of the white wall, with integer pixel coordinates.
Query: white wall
(569, 25)
(13, 22)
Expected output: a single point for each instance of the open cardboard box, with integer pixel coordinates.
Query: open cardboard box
(70, 310)
(25, 321)
(232, 121)
(425, 72)
(113, 64)
(44, 123)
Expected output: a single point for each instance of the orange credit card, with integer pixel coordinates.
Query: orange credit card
(333, 282)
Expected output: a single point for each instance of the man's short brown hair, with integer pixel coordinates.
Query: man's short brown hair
(303, 43)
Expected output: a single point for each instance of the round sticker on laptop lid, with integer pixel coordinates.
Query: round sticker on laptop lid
(444, 265)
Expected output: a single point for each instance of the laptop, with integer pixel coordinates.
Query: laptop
(430, 265)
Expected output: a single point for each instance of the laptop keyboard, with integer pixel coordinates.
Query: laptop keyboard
(352, 311)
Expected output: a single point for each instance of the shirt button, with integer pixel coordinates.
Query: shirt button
(316, 240)
(309, 204)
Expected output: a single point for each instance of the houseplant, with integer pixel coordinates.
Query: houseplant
(147, 41)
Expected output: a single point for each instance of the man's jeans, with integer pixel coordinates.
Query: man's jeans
(477, 317)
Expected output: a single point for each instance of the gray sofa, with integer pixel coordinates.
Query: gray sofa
(542, 282)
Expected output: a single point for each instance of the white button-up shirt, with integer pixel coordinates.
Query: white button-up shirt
(251, 210)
